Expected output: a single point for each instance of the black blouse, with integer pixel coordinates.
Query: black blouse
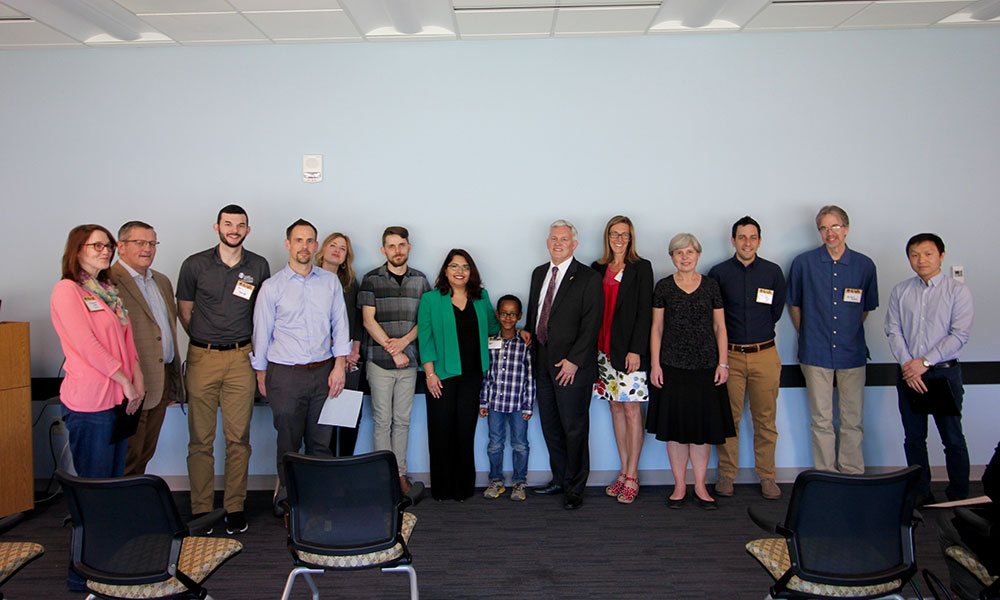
(467, 326)
(688, 337)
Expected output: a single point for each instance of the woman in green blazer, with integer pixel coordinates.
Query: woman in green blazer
(453, 324)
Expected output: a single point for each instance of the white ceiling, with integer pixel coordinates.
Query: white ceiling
(29, 24)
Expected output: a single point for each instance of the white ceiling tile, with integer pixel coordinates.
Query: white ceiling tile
(206, 27)
(903, 14)
(29, 33)
(820, 15)
(983, 12)
(304, 24)
(281, 5)
(140, 7)
(459, 4)
(504, 22)
(624, 19)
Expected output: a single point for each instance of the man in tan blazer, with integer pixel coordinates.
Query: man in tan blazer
(149, 299)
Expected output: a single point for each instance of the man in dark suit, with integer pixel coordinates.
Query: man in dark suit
(149, 299)
(564, 318)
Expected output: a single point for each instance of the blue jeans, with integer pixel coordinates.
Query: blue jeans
(93, 456)
(497, 422)
(956, 453)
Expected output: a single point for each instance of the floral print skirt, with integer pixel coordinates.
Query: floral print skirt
(618, 386)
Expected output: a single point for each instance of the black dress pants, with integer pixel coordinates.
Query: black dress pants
(565, 415)
(451, 432)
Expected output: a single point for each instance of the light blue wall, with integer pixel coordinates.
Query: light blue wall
(481, 144)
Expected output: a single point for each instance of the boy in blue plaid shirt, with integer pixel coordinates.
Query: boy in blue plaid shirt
(507, 396)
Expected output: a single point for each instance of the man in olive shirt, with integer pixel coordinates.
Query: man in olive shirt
(216, 290)
(753, 296)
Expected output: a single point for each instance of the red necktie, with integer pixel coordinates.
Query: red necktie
(542, 331)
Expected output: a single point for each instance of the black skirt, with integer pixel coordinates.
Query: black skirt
(690, 408)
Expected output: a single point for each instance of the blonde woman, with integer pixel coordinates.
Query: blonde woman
(623, 347)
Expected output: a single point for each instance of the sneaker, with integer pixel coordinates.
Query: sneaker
(724, 486)
(518, 494)
(769, 489)
(236, 522)
(494, 490)
(196, 516)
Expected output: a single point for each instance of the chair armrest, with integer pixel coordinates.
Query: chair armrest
(766, 523)
(10, 521)
(970, 518)
(405, 502)
(202, 524)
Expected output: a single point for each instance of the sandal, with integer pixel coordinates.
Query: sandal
(628, 494)
(616, 488)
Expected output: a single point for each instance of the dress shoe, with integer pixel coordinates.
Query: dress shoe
(404, 484)
(573, 501)
(768, 488)
(706, 504)
(549, 489)
(671, 503)
(724, 486)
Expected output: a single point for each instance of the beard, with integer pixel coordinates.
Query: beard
(397, 261)
(225, 241)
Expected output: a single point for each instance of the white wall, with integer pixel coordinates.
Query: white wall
(481, 144)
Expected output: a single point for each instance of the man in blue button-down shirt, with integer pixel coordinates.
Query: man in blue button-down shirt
(300, 343)
(831, 290)
(928, 322)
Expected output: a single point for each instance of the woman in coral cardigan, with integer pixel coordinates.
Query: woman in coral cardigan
(102, 368)
(453, 323)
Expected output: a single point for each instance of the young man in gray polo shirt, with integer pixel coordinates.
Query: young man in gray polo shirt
(216, 290)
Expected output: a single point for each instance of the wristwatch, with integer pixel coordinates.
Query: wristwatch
(927, 364)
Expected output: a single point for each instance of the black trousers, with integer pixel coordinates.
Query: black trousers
(565, 415)
(296, 396)
(343, 439)
(451, 432)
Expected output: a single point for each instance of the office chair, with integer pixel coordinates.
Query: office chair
(844, 536)
(346, 514)
(14, 556)
(150, 553)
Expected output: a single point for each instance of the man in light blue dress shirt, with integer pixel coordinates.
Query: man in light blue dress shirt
(300, 343)
(928, 323)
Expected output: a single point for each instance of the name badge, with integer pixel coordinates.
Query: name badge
(765, 296)
(618, 276)
(852, 295)
(92, 304)
(243, 290)
(495, 344)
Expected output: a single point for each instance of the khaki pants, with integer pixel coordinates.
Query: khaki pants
(142, 444)
(848, 458)
(392, 402)
(758, 376)
(219, 379)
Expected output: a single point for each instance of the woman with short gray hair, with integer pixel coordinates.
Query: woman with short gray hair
(689, 407)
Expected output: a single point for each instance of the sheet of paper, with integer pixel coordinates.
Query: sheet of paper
(967, 502)
(343, 410)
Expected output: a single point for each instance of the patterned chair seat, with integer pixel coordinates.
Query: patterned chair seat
(362, 560)
(14, 555)
(772, 553)
(200, 556)
(971, 564)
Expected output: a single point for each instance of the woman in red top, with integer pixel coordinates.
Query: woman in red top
(102, 368)
(623, 347)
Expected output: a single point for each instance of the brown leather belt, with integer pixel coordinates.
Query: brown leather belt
(751, 348)
(314, 365)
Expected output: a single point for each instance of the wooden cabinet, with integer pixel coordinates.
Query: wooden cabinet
(16, 466)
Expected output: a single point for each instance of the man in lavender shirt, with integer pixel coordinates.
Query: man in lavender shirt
(928, 323)
(300, 345)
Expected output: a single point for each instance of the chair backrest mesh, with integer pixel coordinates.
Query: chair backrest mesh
(851, 526)
(126, 526)
(341, 504)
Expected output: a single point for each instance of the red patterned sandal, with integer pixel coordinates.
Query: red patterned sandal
(616, 488)
(628, 494)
